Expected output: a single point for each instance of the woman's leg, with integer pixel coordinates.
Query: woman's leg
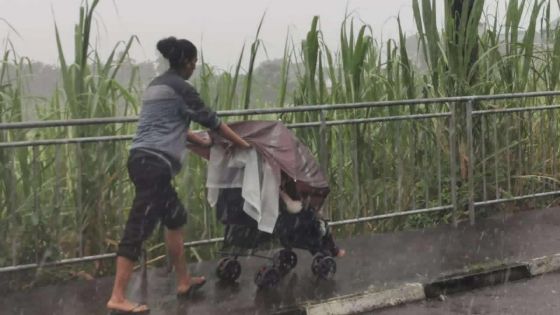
(118, 300)
(174, 218)
(142, 220)
(174, 242)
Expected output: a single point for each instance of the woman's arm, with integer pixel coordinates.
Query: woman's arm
(226, 132)
(199, 112)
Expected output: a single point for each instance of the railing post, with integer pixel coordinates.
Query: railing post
(453, 160)
(323, 153)
(322, 141)
(35, 191)
(59, 173)
(10, 181)
(471, 163)
(80, 209)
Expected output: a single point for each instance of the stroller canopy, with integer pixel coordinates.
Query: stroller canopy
(281, 148)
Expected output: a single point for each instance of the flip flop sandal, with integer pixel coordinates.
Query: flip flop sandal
(130, 311)
(193, 288)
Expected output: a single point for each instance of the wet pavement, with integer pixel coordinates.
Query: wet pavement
(372, 261)
(537, 296)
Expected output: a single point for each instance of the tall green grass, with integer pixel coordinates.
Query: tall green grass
(76, 197)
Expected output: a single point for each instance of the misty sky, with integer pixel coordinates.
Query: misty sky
(220, 27)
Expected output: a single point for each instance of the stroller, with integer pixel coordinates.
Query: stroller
(302, 180)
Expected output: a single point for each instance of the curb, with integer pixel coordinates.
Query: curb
(542, 265)
(367, 301)
(483, 277)
(454, 282)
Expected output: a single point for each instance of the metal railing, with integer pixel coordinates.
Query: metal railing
(478, 177)
(457, 129)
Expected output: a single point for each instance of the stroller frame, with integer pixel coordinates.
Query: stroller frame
(304, 230)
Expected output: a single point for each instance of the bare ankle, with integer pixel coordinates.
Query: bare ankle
(184, 279)
(116, 299)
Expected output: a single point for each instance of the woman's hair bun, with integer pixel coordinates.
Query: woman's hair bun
(177, 51)
(167, 46)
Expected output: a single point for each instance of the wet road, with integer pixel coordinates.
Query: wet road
(373, 261)
(537, 296)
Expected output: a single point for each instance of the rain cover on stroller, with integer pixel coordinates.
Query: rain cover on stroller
(279, 150)
(278, 160)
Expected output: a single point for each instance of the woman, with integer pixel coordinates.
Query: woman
(169, 105)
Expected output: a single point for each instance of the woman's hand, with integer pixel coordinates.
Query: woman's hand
(204, 141)
(245, 145)
(230, 135)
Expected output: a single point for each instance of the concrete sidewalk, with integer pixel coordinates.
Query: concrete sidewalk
(379, 270)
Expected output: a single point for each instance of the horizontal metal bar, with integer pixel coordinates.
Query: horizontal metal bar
(368, 120)
(294, 109)
(515, 110)
(204, 242)
(424, 101)
(58, 263)
(390, 215)
(67, 123)
(93, 258)
(504, 200)
(32, 143)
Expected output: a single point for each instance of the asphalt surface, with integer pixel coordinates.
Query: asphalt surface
(373, 261)
(536, 296)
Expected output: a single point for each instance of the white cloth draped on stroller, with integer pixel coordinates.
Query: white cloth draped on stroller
(259, 183)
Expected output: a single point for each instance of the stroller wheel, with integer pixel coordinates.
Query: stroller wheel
(229, 269)
(285, 260)
(323, 266)
(267, 277)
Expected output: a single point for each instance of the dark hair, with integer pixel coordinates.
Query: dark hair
(176, 51)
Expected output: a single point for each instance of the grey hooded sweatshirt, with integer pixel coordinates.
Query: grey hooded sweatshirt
(169, 105)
